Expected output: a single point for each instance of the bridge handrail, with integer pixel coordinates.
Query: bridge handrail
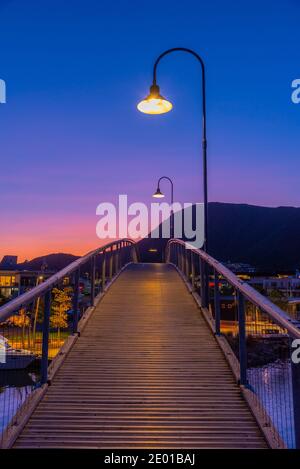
(28, 297)
(258, 365)
(276, 313)
(33, 336)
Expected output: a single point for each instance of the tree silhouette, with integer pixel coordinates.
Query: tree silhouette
(60, 305)
(21, 320)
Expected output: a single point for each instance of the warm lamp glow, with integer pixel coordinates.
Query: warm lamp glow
(154, 103)
(154, 106)
(158, 194)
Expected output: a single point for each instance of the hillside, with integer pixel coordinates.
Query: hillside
(51, 262)
(264, 237)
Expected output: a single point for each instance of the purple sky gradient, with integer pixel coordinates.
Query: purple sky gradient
(70, 134)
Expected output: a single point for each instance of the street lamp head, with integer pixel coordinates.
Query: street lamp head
(154, 103)
(158, 194)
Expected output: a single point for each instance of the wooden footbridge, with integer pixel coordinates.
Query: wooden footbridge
(149, 369)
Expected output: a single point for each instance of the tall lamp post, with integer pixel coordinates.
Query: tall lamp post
(158, 195)
(155, 103)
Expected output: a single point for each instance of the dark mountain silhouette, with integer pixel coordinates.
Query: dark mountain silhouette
(267, 238)
(51, 262)
(262, 236)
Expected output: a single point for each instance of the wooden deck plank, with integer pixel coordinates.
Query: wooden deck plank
(146, 373)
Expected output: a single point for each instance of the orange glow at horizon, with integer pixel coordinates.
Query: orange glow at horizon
(40, 237)
(39, 248)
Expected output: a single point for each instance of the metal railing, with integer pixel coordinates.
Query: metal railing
(256, 336)
(35, 326)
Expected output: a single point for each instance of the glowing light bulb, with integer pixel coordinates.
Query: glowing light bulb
(158, 194)
(154, 103)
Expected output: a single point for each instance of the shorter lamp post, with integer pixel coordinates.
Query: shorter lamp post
(159, 195)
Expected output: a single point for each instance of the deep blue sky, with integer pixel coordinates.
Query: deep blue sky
(70, 135)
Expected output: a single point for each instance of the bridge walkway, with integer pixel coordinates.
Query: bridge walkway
(145, 373)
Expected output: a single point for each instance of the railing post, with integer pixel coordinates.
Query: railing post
(125, 253)
(116, 258)
(93, 281)
(181, 259)
(75, 302)
(242, 339)
(217, 304)
(168, 253)
(295, 367)
(193, 269)
(206, 284)
(132, 254)
(103, 270)
(187, 264)
(121, 256)
(45, 343)
(111, 259)
(203, 289)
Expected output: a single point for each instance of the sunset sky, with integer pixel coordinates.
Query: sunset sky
(70, 134)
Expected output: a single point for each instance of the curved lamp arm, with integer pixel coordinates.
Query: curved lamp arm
(197, 56)
(172, 186)
(204, 140)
